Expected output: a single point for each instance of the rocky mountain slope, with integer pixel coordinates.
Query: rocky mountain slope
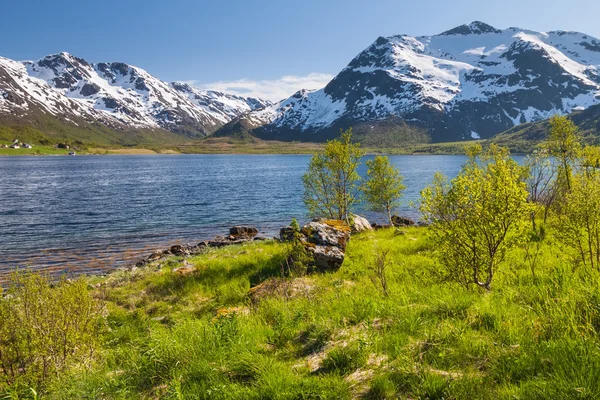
(114, 95)
(473, 81)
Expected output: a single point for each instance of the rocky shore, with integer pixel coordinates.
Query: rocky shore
(324, 239)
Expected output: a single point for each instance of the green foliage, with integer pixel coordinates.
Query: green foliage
(299, 261)
(344, 360)
(479, 215)
(331, 183)
(579, 221)
(383, 188)
(45, 328)
(391, 133)
(334, 336)
(295, 225)
(564, 143)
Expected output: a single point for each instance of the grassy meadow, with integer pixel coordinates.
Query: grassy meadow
(205, 334)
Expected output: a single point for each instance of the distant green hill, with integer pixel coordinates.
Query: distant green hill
(524, 138)
(47, 130)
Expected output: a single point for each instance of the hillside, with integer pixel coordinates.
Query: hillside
(524, 138)
(116, 103)
(200, 334)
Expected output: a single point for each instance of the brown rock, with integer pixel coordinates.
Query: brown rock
(402, 221)
(243, 231)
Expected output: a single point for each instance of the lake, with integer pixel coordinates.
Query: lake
(94, 213)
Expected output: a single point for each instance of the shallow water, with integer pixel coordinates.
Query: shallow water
(93, 213)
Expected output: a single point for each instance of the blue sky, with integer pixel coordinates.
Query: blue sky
(268, 48)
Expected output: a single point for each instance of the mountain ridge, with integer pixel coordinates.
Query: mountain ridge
(116, 95)
(470, 82)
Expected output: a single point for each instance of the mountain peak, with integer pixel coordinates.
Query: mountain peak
(474, 28)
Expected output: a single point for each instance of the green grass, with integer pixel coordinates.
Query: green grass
(336, 336)
(36, 150)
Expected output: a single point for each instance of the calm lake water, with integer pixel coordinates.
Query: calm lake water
(95, 213)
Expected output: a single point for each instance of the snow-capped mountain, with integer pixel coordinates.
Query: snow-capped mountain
(115, 94)
(470, 82)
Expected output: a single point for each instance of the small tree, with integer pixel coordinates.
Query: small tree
(331, 183)
(479, 215)
(384, 188)
(564, 144)
(379, 269)
(541, 184)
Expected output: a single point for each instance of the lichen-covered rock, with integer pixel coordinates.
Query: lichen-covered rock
(326, 241)
(327, 232)
(359, 224)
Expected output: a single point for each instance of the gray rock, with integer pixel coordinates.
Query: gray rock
(327, 258)
(326, 240)
(359, 224)
(327, 233)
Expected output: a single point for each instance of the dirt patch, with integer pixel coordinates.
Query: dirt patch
(282, 288)
(131, 151)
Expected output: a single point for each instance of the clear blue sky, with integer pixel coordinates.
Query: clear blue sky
(229, 40)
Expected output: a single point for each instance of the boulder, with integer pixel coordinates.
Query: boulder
(359, 224)
(326, 241)
(401, 221)
(327, 258)
(179, 250)
(327, 232)
(243, 231)
(157, 255)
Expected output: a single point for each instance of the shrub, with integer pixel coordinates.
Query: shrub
(45, 327)
(579, 221)
(479, 215)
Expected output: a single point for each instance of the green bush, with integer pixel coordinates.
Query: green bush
(44, 328)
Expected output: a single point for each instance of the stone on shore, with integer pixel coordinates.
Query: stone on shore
(402, 221)
(250, 231)
(326, 241)
(359, 224)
